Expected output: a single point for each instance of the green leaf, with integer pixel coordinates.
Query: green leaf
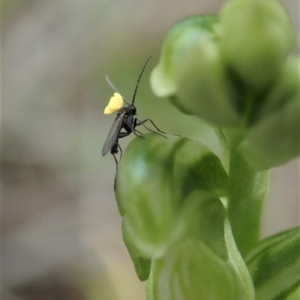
(155, 175)
(295, 295)
(274, 265)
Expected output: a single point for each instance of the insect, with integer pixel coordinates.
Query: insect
(126, 120)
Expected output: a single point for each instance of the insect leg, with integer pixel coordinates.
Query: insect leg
(121, 152)
(115, 160)
(114, 151)
(115, 180)
(138, 123)
(123, 134)
(132, 128)
(143, 123)
(117, 164)
(137, 131)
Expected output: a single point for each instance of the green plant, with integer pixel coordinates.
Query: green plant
(191, 221)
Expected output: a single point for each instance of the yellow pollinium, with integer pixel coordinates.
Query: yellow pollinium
(114, 105)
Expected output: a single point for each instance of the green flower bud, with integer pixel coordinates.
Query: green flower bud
(256, 36)
(177, 45)
(192, 271)
(191, 71)
(285, 87)
(155, 175)
(275, 139)
(204, 86)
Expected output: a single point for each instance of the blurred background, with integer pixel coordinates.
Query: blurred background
(60, 228)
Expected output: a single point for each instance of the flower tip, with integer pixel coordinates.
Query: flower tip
(161, 85)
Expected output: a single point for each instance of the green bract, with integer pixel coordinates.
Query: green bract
(161, 173)
(285, 88)
(191, 271)
(276, 139)
(142, 264)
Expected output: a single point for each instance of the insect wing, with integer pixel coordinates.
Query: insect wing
(113, 134)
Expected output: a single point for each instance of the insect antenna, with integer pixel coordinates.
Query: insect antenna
(138, 81)
(112, 86)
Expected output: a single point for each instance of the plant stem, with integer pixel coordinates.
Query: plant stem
(247, 190)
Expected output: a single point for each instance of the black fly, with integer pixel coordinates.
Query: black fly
(126, 120)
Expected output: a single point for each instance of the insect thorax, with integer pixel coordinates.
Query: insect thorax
(131, 109)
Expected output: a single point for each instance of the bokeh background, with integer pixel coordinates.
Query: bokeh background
(60, 228)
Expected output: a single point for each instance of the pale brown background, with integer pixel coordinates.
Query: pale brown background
(61, 235)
